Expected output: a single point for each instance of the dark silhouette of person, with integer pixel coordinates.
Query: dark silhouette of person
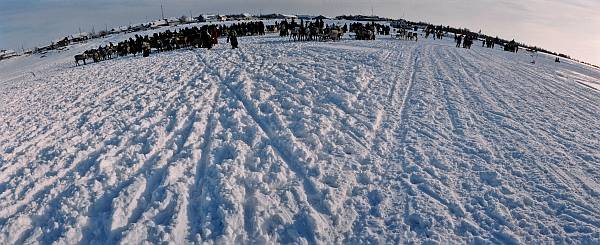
(232, 38)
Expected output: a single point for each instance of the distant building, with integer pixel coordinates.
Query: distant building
(361, 18)
(306, 17)
(114, 31)
(268, 16)
(244, 16)
(288, 16)
(185, 19)
(172, 20)
(277, 16)
(322, 17)
(312, 17)
(400, 24)
(80, 37)
(100, 34)
(211, 18)
(7, 54)
(139, 27)
(158, 23)
(61, 42)
(43, 48)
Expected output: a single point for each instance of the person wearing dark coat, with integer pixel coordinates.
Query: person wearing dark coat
(206, 39)
(232, 38)
(145, 49)
(215, 36)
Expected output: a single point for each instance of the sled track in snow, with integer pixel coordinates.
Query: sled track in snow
(349, 142)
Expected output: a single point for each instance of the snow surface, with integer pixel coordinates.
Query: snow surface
(351, 142)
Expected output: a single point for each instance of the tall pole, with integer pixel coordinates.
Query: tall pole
(162, 13)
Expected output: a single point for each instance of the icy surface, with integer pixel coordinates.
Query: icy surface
(352, 142)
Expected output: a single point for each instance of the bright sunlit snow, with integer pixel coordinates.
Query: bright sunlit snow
(353, 142)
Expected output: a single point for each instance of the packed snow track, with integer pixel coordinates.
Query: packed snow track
(350, 142)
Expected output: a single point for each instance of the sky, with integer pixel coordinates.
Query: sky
(564, 26)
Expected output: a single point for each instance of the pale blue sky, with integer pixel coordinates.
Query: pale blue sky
(571, 26)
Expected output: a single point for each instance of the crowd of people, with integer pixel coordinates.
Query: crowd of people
(245, 28)
(381, 29)
(430, 30)
(490, 42)
(208, 35)
(194, 37)
(512, 46)
(466, 40)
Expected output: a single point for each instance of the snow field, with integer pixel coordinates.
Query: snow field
(351, 142)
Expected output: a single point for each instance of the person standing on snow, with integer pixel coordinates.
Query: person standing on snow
(215, 36)
(232, 38)
(458, 40)
(145, 49)
(206, 39)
